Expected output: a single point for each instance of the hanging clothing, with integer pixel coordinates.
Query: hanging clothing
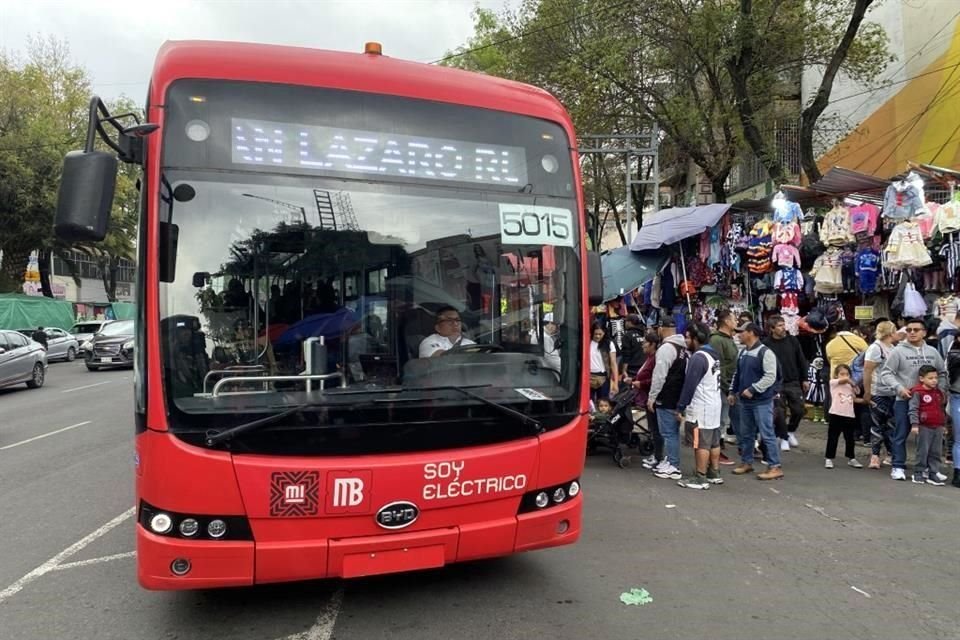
(836, 227)
(902, 200)
(786, 255)
(948, 217)
(828, 272)
(787, 233)
(788, 279)
(905, 248)
(817, 392)
(786, 211)
(867, 266)
(863, 219)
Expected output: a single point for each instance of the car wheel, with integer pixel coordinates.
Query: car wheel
(91, 367)
(71, 354)
(36, 380)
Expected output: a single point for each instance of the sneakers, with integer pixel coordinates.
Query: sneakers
(773, 473)
(742, 469)
(725, 461)
(956, 478)
(919, 478)
(784, 445)
(888, 462)
(660, 466)
(649, 462)
(898, 474)
(853, 462)
(792, 439)
(936, 481)
(828, 464)
(713, 476)
(696, 482)
(940, 477)
(669, 472)
(874, 462)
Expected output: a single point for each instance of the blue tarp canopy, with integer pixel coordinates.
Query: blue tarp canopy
(673, 225)
(625, 270)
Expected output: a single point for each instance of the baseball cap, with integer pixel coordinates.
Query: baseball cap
(751, 327)
(667, 321)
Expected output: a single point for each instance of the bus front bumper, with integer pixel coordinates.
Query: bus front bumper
(242, 563)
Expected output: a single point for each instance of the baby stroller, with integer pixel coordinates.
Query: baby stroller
(620, 432)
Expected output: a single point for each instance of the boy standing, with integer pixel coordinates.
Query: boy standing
(928, 418)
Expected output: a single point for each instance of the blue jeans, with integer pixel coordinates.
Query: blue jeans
(901, 431)
(955, 416)
(670, 430)
(758, 417)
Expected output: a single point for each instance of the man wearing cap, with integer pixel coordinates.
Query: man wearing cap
(631, 352)
(754, 385)
(551, 348)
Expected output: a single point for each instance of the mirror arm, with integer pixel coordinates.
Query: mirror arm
(129, 143)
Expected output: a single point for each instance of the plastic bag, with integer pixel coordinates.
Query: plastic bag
(913, 304)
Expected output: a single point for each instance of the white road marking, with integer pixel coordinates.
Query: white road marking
(87, 386)
(84, 563)
(45, 435)
(774, 490)
(54, 562)
(861, 591)
(322, 629)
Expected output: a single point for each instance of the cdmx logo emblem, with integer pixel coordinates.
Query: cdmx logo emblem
(294, 493)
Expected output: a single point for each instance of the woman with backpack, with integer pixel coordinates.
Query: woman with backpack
(877, 397)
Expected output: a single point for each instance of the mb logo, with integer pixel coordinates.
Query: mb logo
(347, 492)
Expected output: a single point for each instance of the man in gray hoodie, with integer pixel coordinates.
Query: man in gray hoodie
(900, 372)
(665, 388)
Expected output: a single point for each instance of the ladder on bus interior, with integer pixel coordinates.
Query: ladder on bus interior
(328, 219)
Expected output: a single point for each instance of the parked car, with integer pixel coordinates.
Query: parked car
(21, 360)
(112, 346)
(60, 344)
(84, 331)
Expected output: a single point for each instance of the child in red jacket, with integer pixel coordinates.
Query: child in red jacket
(927, 416)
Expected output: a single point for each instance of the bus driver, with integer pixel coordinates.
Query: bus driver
(447, 334)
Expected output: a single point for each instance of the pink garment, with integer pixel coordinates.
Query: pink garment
(926, 223)
(786, 255)
(841, 399)
(863, 219)
(787, 233)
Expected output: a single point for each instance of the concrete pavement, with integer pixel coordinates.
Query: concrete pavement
(841, 553)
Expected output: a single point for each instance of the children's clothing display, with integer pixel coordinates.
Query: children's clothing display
(903, 199)
(867, 264)
(863, 220)
(786, 255)
(905, 248)
(827, 272)
(835, 229)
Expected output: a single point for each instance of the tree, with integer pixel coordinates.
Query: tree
(44, 102)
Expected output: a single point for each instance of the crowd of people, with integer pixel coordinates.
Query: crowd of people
(749, 386)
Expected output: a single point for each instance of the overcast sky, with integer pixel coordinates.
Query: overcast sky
(117, 41)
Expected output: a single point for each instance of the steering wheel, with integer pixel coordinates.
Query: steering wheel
(489, 347)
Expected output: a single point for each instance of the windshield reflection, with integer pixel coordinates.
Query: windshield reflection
(284, 287)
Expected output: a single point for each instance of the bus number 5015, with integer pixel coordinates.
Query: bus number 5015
(536, 225)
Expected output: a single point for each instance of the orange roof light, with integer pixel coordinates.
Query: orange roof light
(373, 48)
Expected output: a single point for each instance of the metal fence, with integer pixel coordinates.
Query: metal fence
(749, 171)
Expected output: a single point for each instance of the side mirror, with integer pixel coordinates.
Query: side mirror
(200, 279)
(594, 279)
(86, 196)
(2, 350)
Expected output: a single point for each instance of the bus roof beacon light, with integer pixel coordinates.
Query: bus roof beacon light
(373, 48)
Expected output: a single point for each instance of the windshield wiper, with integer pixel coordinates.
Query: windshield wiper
(216, 437)
(502, 408)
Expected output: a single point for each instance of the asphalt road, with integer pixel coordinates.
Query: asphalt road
(840, 554)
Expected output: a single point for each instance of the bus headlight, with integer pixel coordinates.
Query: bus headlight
(559, 495)
(189, 527)
(161, 523)
(217, 528)
(543, 499)
(574, 489)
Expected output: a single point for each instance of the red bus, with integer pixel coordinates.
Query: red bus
(362, 290)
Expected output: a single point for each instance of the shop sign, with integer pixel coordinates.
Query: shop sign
(863, 312)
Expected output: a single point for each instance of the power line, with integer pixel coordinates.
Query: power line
(533, 31)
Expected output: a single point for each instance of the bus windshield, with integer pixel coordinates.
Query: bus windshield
(409, 280)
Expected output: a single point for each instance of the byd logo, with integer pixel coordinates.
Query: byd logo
(397, 515)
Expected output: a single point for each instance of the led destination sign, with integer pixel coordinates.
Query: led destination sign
(277, 144)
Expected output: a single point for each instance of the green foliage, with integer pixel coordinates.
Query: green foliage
(44, 100)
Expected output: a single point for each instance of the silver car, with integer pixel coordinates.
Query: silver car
(60, 344)
(21, 360)
(84, 331)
